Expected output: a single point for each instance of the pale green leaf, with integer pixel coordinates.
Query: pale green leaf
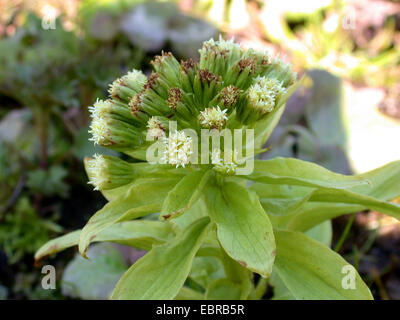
(206, 270)
(385, 185)
(243, 227)
(223, 289)
(184, 194)
(142, 198)
(281, 199)
(297, 172)
(281, 292)
(161, 273)
(58, 244)
(322, 233)
(141, 234)
(310, 270)
(189, 294)
(314, 213)
(197, 211)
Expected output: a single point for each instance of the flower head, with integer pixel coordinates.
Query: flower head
(220, 46)
(134, 78)
(108, 172)
(221, 164)
(260, 98)
(128, 85)
(155, 128)
(283, 72)
(213, 118)
(178, 149)
(100, 108)
(263, 93)
(114, 87)
(228, 96)
(99, 130)
(174, 97)
(95, 168)
(112, 125)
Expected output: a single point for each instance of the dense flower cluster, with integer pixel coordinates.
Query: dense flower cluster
(228, 88)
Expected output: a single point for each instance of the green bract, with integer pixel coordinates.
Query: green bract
(217, 225)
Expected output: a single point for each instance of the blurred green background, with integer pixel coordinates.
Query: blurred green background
(57, 57)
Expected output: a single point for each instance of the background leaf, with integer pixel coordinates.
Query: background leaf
(93, 279)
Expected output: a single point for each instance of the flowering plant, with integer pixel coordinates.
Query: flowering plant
(218, 224)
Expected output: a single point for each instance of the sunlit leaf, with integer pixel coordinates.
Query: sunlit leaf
(161, 273)
(297, 172)
(142, 198)
(310, 270)
(206, 270)
(223, 289)
(281, 199)
(184, 194)
(141, 234)
(243, 227)
(385, 185)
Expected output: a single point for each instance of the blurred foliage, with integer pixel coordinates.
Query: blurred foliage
(313, 127)
(23, 231)
(184, 33)
(325, 38)
(49, 182)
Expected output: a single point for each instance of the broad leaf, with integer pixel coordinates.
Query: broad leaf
(223, 289)
(161, 273)
(281, 199)
(189, 294)
(342, 197)
(310, 270)
(142, 198)
(206, 270)
(184, 194)
(141, 234)
(243, 227)
(197, 211)
(297, 172)
(281, 292)
(322, 233)
(345, 196)
(385, 185)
